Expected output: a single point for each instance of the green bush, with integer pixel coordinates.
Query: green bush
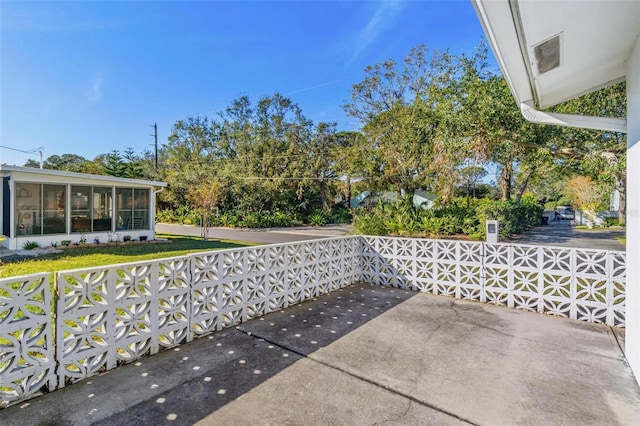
(514, 218)
(30, 245)
(369, 224)
(183, 214)
(451, 219)
(340, 214)
(318, 218)
(165, 216)
(611, 221)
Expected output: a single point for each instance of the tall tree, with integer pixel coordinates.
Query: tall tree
(189, 157)
(403, 127)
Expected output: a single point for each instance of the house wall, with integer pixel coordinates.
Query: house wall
(16, 242)
(633, 211)
(4, 206)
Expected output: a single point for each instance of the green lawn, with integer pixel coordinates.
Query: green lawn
(622, 239)
(99, 256)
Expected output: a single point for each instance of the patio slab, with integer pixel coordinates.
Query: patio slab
(366, 355)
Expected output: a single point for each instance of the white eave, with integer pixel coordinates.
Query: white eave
(595, 37)
(85, 176)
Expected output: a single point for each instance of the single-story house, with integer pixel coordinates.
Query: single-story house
(50, 206)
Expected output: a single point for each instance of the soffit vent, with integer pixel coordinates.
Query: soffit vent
(547, 54)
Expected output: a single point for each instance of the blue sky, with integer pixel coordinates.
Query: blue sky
(89, 77)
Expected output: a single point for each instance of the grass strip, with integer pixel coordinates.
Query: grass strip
(87, 257)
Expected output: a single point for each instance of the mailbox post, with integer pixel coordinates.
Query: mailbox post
(492, 231)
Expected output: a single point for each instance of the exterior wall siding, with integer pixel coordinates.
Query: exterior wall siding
(633, 209)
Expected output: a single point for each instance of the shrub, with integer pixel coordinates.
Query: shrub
(369, 224)
(252, 220)
(30, 245)
(611, 221)
(451, 219)
(341, 214)
(165, 216)
(228, 219)
(318, 218)
(514, 218)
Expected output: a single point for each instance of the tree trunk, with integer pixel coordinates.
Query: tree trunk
(204, 230)
(323, 195)
(347, 197)
(505, 177)
(523, 187)
(621, 186)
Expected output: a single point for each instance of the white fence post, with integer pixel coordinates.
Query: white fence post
(27, 363)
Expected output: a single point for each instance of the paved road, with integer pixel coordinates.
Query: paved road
(561, 233)
(262, 236)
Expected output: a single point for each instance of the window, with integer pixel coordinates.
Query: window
(28, 208)
(141, 208)
(40, 209)
(132, 208)
(80, 209)
(54, 218)
(102, 217)
(46, 208)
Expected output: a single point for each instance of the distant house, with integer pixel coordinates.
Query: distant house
(48, 206)
(420, 198)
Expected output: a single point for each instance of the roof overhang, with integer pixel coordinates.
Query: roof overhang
(557, 50)
(5, 169)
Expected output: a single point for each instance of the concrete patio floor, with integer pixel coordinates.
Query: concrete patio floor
(365, 355)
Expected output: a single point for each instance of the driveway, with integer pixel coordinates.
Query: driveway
(562, 233)
(365, 355)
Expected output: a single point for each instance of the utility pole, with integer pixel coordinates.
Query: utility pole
(155, 135)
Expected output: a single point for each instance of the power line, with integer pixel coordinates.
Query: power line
(31, 151)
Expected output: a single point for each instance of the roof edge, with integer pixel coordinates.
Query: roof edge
(524, 94)
(32, 170)
(573, 120)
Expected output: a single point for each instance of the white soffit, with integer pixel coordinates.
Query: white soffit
(596, 40)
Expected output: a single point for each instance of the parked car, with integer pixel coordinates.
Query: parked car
(565, 213)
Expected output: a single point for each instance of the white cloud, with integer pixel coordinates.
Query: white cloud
(382, 18)
(94, 93)
(317, 86)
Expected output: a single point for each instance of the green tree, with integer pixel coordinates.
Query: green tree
(205, 196)
(349, 160)
(64, 162)
(401, 108)
(470, 176)
(600, 154)
(114, 164)
(188, 157)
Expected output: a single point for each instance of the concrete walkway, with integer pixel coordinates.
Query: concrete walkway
(562, 233)
(365, 355)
